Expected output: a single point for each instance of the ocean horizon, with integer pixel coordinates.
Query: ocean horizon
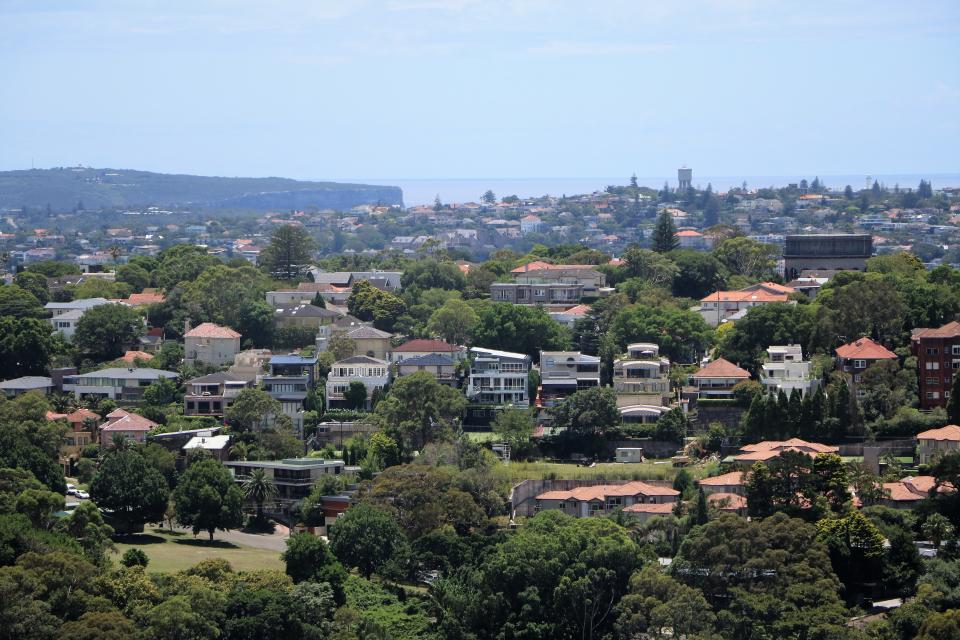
(417, 191)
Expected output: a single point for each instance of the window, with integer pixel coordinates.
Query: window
(933, 366)
(859, 364)
(933, 395)
(538, 293)
(956, 349)
(933, 381)
(856, 377)
(932, 351)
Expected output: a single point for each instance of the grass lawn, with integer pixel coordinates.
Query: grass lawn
(170, 552)
(650, 470)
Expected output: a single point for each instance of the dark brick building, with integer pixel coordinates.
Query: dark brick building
(938, 359)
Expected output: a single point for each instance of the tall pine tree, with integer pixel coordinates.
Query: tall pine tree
(664, 238)
(953, 404)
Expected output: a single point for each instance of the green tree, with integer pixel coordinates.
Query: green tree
(765, 325)
(128, 488)
(664, 237)
(518, 328)
(590, 411)
(26, 345)
(250, 411)
(514, 427)
(856, 548)
(488, 198)
(181, 263)
(160, 393)
(135, 275)
(748, 257)
(259, 487)
(355, 396)
(433, 274)
(702, 514)
(660, 606)
(698, 273)
(288, 254)
(419, 409)
(367, 538)
(98, 625)
(308, 558)
(106, 331)
(35, 283)
(953, 404)
(650, 266)
(39, 505)
(672, 426)
(224, 295)
(681, 334)
(207, 498)
(383, 451)
(18, 302)
(134, 557)
(455, 321)
(87, 527)
(937, 528)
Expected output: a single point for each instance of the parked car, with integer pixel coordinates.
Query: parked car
(71, 491)
(83, 495)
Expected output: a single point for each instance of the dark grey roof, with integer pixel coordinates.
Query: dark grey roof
(26, 383)
(304, 310)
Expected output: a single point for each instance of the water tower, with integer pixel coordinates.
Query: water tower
(684, 178)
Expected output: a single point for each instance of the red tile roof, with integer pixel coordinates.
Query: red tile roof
(139, 299)
(120, 420)
(600, 491)
(949, 330)
(578, 310)
(688, 233)
(721, 368)
(950, 432)
(540, 264)
(657, 509)
(426, 346)
(211, 330)
(131, 356)
(727, 501)
(759, 295)
(769, 449)
(734, 478)
(865, 349)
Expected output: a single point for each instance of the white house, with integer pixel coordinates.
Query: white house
(373, 373)
(211, 344)
(642, 376)
(786, 370)
(116, 383)
(498, 377)
(66, 315)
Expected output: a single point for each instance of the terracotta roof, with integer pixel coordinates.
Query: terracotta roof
(600, 491)
(746, 296)
(641, 507)
(51, 416)
(689, 233)
(899, 492)
(949, 330)
(211, 330)
(426, 346)
(769, 449)
(721, 368)
(733, 478)
(950, 432)
(131, 356)
(138, 299)
(120, 420)
(865, 349)
(540, 265)
(578, 310)
(727, 501)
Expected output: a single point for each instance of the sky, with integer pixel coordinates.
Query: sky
(481, 88)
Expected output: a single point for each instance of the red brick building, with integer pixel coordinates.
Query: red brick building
(938, 359)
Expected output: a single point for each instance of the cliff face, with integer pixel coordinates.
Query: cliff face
(64, 188)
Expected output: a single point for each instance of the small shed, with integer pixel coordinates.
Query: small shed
(629, 454)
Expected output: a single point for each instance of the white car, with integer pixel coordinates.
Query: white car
(71, 487)
(71, 490)
(83, 495)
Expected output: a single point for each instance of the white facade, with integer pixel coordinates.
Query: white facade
(786, 370)
(66, 315)
(642, 376)
(216, 351)
(373, 373)
(498, 377)
(115, 383)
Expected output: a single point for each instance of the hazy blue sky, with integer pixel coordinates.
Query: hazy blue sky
(462, 88)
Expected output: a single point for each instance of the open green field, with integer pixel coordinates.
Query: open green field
(650, 470)
(170, 552)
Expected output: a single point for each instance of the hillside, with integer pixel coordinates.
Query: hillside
(63, 188)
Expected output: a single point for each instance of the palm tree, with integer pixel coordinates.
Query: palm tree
(239, 451)
(258, 487)
(115, 252)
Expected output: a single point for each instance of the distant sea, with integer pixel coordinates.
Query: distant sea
(424, 190)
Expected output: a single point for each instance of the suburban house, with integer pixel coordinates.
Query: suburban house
(16, 386)
(383, 280)
(732, 482)
(83, 431)
(642, 376)
(934, 443)
(692, 239)
(553, 293)
(582, 274)
(115, 383)
(126, 424)
(786, 370)
(420, 347)
(855, 357)
(211, 344)
(66, 315)
(938, 359)
(907, 493)
(293, 477)
(370, 342)
(212, 395)
(603, 499)
(771, 449)
(717, 379)
(568, 317)
(340, 324)
(728, 502)
(302, 315)
(532, 224)
(440, 366)
(372, 372)
(217, 446)
(251, 362)
(563, 373)
(641, 413)
(723, 306)
(295, 365)
(498, 377)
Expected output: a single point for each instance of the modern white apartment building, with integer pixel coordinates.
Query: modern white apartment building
(563, 373)
(498, 377)
(115, 383)
(642, 376)
(66, 315)
(786, 370)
